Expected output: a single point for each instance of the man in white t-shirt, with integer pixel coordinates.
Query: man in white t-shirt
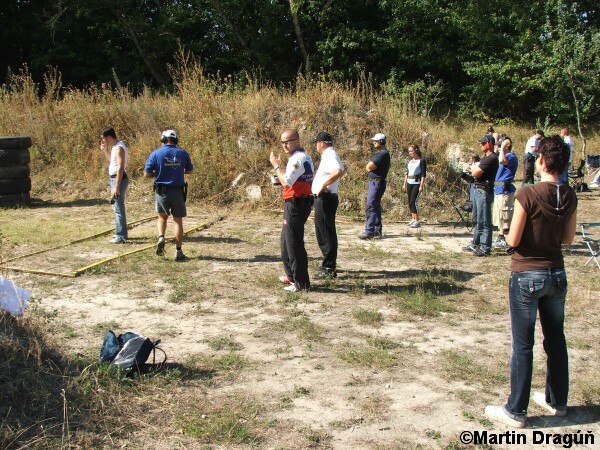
(117, 171)
(531, 155)
(325, 189)
(564, 134)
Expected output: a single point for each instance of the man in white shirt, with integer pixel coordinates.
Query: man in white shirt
(325, 189)
(530, 157)
(117, 171)
(564, 134)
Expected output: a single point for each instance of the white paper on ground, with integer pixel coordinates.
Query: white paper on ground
(13, 299)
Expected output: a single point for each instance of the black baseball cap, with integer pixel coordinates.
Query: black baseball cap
(487, 138)
(323, 136)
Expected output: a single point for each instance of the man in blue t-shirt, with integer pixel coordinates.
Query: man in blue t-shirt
(168, 165)
(504, 191)
(377, 170)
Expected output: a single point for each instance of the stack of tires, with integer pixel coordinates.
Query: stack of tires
(15, 183)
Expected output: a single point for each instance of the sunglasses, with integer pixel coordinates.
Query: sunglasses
(287, 142)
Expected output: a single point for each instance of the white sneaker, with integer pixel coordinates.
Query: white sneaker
(498, 414)
(415, 224)
(117, 240)
(540, 399)
(411, 222)
(291, 288)
(593, 185)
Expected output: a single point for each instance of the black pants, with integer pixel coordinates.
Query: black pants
(528, 169)
(413, 196)
(293, 253)
(325, 208)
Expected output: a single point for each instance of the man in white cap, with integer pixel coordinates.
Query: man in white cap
(377, 170)
(168, 165)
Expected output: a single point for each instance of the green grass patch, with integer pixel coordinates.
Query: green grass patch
(420, 302)
(228, 362)
(299, 323)
(372, 355)
(383, 343)
(367, 316)
(103, 327)
(459, 365)
(232, 422)
(224, 343)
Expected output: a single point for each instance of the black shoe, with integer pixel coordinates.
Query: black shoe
(480, 252)
(160, 247)
(364, 236)
(325, 274)
(180, 256)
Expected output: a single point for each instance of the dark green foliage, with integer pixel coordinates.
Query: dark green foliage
(494, 60)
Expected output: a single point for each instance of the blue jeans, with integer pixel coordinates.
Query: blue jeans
(542, 290)
(563, 178)
(482, 218)
(376, 188)
(119, 207)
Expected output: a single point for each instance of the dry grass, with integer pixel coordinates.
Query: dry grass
(230, 130)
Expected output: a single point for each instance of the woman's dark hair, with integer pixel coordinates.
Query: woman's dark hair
(416, 149)
(556, 153)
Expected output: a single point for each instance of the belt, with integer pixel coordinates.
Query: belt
(502, 183)
(300, 200)
(480, 185)
(166, 186)
(377, 180)
(414, 177)
(115, 176)
(325, 194)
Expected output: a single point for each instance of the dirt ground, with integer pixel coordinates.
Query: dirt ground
(350, 364)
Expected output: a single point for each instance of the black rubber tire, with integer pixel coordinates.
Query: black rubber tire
(15, 142)
(14, 157)
(18, 186)
(14, 172)
(15, 200)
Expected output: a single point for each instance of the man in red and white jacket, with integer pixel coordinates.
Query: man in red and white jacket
(296, 180)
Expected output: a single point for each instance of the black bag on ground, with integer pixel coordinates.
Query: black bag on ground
(128, 350)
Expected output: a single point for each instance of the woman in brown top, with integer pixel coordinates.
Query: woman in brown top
(544, 218)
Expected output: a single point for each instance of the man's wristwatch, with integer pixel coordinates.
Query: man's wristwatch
(276, 167)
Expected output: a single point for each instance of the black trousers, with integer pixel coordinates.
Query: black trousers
(325, 208)
(293, 252)
(413, 196)
(528, 169)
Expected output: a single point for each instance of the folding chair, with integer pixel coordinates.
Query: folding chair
(464, 212)
(576, 176)
(592, 164)
(593, 244)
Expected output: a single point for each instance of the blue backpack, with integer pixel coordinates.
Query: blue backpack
(129, 350)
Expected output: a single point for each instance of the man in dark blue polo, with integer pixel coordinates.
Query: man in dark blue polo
(168, 165)
(377, 170)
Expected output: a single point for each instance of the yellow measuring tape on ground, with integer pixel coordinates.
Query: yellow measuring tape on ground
(81, 270)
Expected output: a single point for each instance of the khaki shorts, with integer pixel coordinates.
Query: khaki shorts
(504, 206)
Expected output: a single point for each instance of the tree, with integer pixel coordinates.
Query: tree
(570, 64)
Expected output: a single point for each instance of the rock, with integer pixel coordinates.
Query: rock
(254, 192)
